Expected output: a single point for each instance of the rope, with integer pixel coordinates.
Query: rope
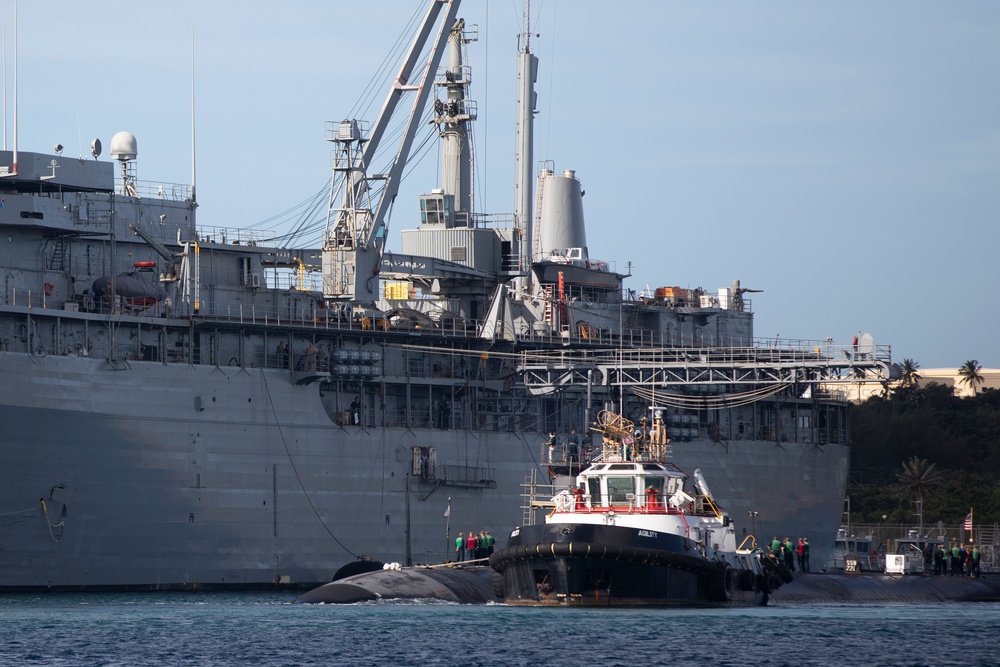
(284, 443)
(45, 511)
(732, 400)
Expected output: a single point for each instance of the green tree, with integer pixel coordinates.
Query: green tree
(910, 376)
(918, 478)
(909, 380)
(971, 375)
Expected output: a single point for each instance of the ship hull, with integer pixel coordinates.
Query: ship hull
(606, 565)
(149, 475)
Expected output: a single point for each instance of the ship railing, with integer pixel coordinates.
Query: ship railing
(569, 501)
(493, 220)
(722, 356)
(235, 236)
(535, 496)
(589, 345)
(986, 536)
(465, 476)
(158, 190)
(307, 312)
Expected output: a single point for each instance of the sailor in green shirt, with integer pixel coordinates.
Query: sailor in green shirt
(460, 548)
(956, 561)
(776, 547)
(789, 554)
(489, 544)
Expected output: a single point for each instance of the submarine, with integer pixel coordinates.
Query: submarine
(465, 584)
(451, 582)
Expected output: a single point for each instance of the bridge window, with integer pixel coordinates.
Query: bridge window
(619, 488)
(594, 489)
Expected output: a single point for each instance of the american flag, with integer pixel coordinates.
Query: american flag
(447, 512)
(968, 521)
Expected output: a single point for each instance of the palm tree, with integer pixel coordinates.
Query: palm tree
(918, 478)
(971, 376)
(910, 376)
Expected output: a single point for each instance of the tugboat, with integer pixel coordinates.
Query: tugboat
(631, 532)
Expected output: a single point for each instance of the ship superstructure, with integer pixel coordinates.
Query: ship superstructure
(181, 409)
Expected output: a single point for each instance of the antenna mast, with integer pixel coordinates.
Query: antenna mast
(527, 74)
(194, 179)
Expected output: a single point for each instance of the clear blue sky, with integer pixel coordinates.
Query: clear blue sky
(844, 157)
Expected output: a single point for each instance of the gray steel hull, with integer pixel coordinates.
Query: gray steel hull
(184, 476)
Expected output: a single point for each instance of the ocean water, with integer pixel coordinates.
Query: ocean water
(267, 629)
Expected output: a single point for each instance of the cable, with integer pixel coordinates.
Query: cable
(284, 443)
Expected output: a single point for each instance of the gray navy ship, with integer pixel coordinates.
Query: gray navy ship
(194, 408)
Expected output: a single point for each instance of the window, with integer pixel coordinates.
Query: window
(594, 489)
(619, 488)
(654, 483)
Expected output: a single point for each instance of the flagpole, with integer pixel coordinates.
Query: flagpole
(447, 530)
(970, 524)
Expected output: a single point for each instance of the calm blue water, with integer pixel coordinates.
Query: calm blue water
(266, 629)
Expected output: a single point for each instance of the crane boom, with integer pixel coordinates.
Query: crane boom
(356, 219)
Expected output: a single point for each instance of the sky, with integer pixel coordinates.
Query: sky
(843, 157)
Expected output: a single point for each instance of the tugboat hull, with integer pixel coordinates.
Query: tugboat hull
(594, 565)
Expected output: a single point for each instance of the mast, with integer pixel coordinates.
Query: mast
(453, 118)
(14, 172)
(527, 73)
(194, 175)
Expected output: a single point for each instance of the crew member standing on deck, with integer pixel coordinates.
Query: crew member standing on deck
(789, 554)
(776, 547)
(312, 352)
(356, 410)
(489, 544)
(470, 546)
(574, 447)
(460, 547)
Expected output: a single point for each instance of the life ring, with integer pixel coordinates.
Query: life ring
(49, 289)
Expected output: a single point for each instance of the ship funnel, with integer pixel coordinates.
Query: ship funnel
(699, 484)
(560, 223)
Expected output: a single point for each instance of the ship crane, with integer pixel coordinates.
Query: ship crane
(358, 210)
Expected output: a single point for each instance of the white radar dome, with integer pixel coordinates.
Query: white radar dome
(124, 147)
